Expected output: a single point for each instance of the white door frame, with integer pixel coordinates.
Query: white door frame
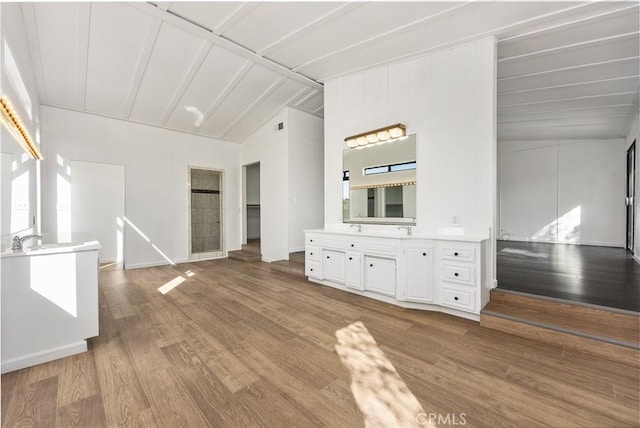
(209, 254)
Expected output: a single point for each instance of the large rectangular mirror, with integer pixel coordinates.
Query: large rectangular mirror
(379, 182)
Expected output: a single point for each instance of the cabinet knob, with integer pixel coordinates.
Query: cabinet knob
(455, 254)
(455, 298)
(311, 269)
(352, 245)
(350, 258)
(455, 274)
(311, 254)
(328, 257)
(424, 254)
(311, 240)
(371, 265)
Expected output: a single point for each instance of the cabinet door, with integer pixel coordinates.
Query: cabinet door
(419, 267)
(354, 267)
(380, 275)
(333, 265)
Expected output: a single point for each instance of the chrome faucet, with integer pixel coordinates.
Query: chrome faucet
(357, 226)
(406, 227)
(18, 241)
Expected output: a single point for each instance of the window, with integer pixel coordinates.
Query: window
(405, 166)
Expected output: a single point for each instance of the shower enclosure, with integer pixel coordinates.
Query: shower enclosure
(206, 213)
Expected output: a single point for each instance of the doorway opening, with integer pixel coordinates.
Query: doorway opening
(205, 213)
(252, 205)
(631, 196)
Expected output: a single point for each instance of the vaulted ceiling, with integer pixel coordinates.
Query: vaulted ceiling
(222, 69)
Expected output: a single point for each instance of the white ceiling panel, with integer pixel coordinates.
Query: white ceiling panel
(603, 71)
(601, 26)
(579, 114)
(270, 22)
(365, 22)
(618, 48)
(569, 132)
(258, 116)
(312, 103)
(245, 93)
(626, 84)
(597, 101)
(449, 29)
(117, 41)
(209, 15)
(60, 36)
(174, 53)
(216, 72)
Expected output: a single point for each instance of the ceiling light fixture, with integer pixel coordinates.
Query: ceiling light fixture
(378, 135)
(11, 121)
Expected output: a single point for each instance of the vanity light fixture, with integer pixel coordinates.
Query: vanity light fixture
(377, 136)
(11, 121)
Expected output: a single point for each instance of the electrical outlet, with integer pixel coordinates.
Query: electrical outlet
(455, 219)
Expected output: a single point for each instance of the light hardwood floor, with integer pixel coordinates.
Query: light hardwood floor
(237, 344)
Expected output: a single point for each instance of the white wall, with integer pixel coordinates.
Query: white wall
(563, 191)
(290, 180)
(269, 147)
(18, 85)
(634, 135)
(97, 206)
(306, 171)
(156, 166)
(448, 100)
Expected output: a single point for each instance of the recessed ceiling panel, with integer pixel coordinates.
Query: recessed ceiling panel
(117, 40)
(206, 13)
(271, 21)
(58, 27)
(268, 108)
(216, 72)
(173, 55)
(252, 86)
(370, 20)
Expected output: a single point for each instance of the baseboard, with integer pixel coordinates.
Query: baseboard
(636, 258)
(542, 241)
(153, 264)
(44, 356)
(296, 250)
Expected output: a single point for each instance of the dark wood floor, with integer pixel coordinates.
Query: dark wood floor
(237, 344)
(603, 276)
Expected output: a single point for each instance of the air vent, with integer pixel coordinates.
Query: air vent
(280, 126)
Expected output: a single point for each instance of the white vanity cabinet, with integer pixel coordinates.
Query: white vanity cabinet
(333, 265)
(353, 266)
(418, 272)
(415, 272)
(380, 275)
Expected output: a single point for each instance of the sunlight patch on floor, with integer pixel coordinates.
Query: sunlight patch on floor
(172, 284)
(382, 396)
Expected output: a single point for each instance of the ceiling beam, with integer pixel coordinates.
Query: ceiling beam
(206, 34)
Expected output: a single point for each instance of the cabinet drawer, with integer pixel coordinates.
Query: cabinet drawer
(461, 274)
(312, 239)
(354, 245)
(312, 253)
(312, 269)
(381, 247)
(462, 254)
(333, 241)
(459, 299)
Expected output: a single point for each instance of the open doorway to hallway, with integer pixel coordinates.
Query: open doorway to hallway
(252, 224)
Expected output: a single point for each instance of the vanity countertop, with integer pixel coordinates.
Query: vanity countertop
(48, 245)
(399, 234)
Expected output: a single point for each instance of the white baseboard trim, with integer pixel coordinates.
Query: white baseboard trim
(594, 243)
(494, 284)
(51, 354)
(296, 250)
(636, 258)
(152, 264)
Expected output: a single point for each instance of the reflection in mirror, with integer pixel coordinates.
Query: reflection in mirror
(379, 182)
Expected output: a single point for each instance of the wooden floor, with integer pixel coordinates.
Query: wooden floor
(602, 276)
(237, 344)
